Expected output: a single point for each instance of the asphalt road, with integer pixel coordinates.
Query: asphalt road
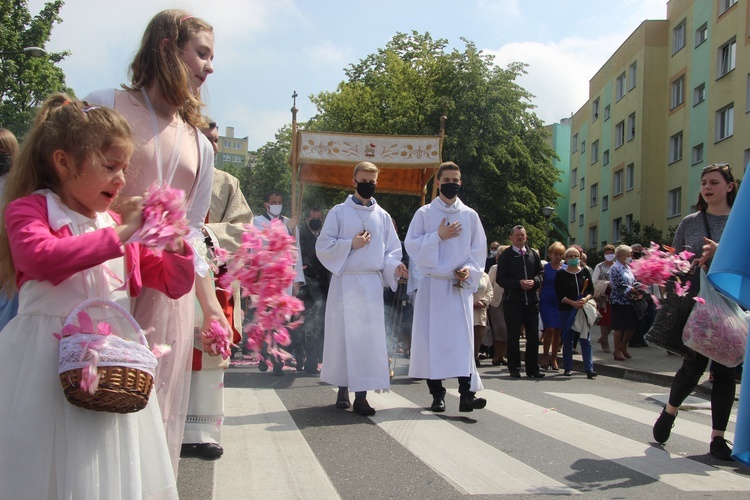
(556, 436)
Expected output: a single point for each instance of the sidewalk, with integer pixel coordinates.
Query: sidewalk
(648, 364)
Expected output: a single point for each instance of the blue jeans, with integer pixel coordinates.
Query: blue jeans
(568, 341)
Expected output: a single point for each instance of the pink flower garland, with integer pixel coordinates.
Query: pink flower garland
(264, 267)
(657, 266)
(164, 217)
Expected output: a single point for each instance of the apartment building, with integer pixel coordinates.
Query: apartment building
(667, 103)
(232, 150)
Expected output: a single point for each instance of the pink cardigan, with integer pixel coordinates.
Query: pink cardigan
(43, 254)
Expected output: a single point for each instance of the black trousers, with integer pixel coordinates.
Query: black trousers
(528, 316)
(464, 384)
(722, 391)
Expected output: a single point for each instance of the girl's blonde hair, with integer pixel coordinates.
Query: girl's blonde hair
(8, 142)
(65, 124)
(162, 64)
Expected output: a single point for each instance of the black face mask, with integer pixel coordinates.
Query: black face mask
(315, 224)
(637, 255)
(365, 189)
(450, 189)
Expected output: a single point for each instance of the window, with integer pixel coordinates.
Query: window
(725, 122)
(237, 145)
(580, 220)
(726, 58)
(605, 202)
(699, 94)
(238, 159)
(630, 177)
(227, 158)
(619, 134)
(617, 183)
(595, 110)
(616, 227)
(620, 87)
(629, 222)
(574, 177)
(572, 212)
(725, 4)
(677, 96)
(605, 157)
(678, 37)
(675, 147)
(583, 183)
(631, 126)
(701, 34)
(574, 147)
(674, 198)
(594, 194)
(227, 144)
(632, 73)
(697, 154)
(606, 112)
(583, 147)
(592, 237)
(594, 152)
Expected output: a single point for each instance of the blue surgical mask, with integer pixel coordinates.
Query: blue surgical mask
(573, 262)
(629, 260)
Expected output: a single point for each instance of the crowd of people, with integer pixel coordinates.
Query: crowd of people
(73, 200)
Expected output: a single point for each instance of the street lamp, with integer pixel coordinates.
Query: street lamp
(27, 51)
(547, 213)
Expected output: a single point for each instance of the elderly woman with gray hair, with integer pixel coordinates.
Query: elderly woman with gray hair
(623, 292)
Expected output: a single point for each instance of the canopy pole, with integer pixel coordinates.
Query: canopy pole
(293, 156)
(443, 119)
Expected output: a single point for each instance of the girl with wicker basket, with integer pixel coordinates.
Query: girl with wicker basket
(62, 247)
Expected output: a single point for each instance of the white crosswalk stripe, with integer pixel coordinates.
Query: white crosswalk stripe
(676, 471)
(455, 454)
(257, 423)
(256, 419)
(692, 403)
(686, 428)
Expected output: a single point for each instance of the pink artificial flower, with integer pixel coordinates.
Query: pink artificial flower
(160, 350)
(219, 340)
(699, 300)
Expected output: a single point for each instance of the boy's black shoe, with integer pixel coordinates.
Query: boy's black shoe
(342, 400)
(471, 403)
(438, 404)
(663, 427)
(362, 407)
(720, 450)
(515, 374)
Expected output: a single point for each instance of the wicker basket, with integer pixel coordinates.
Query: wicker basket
(126, 368)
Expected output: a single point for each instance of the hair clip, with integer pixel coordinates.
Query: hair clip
(90, 108)
(65, 102)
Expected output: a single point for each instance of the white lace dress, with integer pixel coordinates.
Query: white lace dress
(50, 449)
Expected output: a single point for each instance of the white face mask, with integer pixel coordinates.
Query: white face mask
(493, 253)
(274, 210)
(609, 257)
(629, 260)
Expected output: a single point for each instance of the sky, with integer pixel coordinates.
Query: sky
(267, 49)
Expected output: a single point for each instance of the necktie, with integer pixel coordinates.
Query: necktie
(523, 252)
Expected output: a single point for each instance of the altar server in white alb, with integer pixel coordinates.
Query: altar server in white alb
(360, 247)
(447, 243)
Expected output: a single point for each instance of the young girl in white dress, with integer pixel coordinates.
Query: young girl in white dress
(61, 246)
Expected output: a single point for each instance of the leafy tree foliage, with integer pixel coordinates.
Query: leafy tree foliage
(492, 132)
(646, 234)
(25, 81)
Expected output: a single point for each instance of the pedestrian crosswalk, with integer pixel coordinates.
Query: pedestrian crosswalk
(266, 452)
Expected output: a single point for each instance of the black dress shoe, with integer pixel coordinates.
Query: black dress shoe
(278, 371)
(362, 407)
(262, 365)
(591, 375)
(312, 370)
(515, 374)
(568, 373)
(209, 451)
(471, 403)
(342, 400)
(438, 404)
(535, 375)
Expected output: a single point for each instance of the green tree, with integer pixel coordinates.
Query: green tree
(25, 81)
(646, 234)
(492, 131)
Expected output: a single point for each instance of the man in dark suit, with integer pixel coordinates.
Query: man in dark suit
(492, 257)
(309, 351)
(520, 274)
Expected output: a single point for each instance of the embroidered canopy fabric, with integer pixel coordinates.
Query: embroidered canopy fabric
(406, 162)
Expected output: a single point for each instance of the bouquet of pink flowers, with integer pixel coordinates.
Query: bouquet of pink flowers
(264, 267)
(164, 217)
(219, 340)
(657, 267)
